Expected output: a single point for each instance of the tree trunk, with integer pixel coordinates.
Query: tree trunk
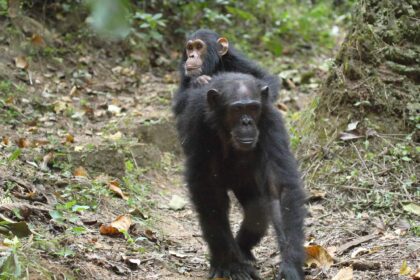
(377, 71)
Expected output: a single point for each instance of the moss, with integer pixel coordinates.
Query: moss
(374, 66)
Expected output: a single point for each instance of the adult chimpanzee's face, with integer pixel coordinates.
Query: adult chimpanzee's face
(240, 108)
(242, 118)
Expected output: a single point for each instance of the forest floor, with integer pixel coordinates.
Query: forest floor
(88, 139)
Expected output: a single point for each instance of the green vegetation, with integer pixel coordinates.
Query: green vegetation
(267, 25)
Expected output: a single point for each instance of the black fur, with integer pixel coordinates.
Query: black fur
(232, 61)
(265, 180)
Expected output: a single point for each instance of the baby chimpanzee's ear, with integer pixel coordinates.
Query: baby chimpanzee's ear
(213, 97)
(223, 46)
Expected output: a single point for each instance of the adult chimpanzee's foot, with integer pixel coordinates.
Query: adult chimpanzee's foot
(235, 271)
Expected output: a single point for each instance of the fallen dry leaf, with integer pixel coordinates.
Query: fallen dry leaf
(60, 106)
(344, 274)
(115, 137)
(40, 142)
(349, 136)
(359, 252)
(121, 223)
(23, 143)
(416, 275)
(78, 148)
(316, 195)
(282, 107)
(149, 234)
(80, 172)
(10, 100)
(114, 186)
(69, 138)
(5, 140)
(131, 262)
(74, 91)
(352, 126)
(405, 269)
(21, 62)
(138, 213)
(317, 256)
(37, 40)
(114, 109)
(45, 160)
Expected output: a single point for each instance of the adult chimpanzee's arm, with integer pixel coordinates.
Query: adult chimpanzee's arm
(288, 214)
(285, 190)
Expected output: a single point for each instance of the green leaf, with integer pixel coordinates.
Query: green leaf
(79, 208)
(65, 252)
(11, 266)
(16, 153)
(412, 208)
(78, 230)
(405, 158)
(19, 229)
(70, 204)
(56, 215)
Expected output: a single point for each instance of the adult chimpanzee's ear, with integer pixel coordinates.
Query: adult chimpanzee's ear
(212, 97)
(265, 92)
(223, 46)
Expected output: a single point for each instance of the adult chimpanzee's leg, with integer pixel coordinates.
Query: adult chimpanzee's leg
(226, 259)
(288, 215)
(255, 223)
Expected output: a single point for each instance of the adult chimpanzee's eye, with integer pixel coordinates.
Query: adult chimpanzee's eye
(254, 108)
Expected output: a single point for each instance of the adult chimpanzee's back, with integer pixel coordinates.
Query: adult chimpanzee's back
(234, 139)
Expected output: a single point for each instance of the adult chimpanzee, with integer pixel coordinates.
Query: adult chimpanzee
(206, 54)
(234, 139)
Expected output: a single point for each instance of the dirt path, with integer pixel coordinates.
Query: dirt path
(96, 111)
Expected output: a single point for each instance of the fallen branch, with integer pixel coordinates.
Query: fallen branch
(354, 243)
(360, 265)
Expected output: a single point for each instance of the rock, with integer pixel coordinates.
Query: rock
(177, 203)
(146, 154)
(163, 135)
(101, 160)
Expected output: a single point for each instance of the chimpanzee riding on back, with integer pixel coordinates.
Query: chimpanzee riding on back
(206, 54)
(234, 139)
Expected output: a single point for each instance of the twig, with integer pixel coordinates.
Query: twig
(354, 243)
(360, 264)
(364, 164)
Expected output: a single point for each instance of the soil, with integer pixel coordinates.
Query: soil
(90, 107)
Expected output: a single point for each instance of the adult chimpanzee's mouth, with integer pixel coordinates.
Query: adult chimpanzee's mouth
(246, 141)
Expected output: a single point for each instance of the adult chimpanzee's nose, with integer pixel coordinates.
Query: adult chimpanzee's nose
(246, 120)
